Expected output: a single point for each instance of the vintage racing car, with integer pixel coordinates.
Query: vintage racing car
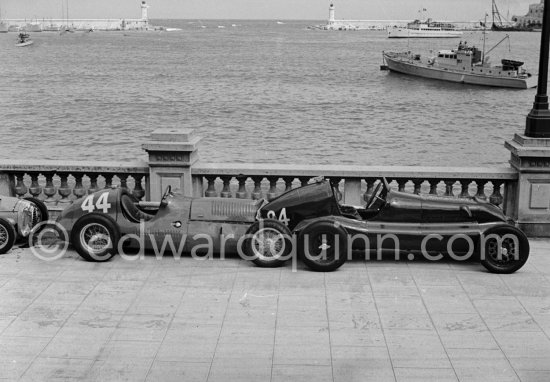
(17, 218)
(307, 221)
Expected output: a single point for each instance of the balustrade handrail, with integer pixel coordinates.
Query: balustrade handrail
(131, 167)
(353, 171)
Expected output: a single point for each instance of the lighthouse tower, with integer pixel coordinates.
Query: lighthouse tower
(331, 14)
(144, 15)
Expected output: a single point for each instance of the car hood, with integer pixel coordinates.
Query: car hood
(8, 204)
(404, 207)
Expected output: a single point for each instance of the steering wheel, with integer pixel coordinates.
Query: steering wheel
(377, 195)
(167, 192)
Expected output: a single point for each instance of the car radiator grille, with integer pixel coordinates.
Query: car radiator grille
(233, 209)
(36, 216)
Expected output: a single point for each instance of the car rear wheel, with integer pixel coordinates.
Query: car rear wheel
(7, 236)
(267, 243)
(506, 250)
(324, 246)
(95, 237)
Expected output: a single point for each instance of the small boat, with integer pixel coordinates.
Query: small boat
(467, 65)
(425, 29)
(23, 39)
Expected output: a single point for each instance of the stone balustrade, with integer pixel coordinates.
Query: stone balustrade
(522, 190)
(58, 183)
(355, 182)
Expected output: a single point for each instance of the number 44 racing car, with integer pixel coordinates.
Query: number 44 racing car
(307, 221)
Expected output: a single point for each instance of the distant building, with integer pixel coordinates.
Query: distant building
(533, 17)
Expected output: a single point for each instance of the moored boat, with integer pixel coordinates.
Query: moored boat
(467, 65)
(23, 39)
(425, 29)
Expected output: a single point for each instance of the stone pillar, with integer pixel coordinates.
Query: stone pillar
(531, 158)
(6, 188)
(172, 152)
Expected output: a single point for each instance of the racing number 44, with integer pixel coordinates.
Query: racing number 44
(100, 204)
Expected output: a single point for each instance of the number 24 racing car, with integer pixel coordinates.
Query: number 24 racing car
(307, 221)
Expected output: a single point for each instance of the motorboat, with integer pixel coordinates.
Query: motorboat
(23, 39)
(466, 64)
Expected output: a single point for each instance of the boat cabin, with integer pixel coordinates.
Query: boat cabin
(462, 58)
(469, 59)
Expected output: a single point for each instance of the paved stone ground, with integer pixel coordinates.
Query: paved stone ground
(227, 320)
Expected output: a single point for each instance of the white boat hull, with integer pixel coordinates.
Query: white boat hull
(26, 43)
(415, 33)
(421, 70)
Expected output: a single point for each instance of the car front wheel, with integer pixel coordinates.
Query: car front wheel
(267, 243)
(95, 237)
(506, 249)
(7, 236)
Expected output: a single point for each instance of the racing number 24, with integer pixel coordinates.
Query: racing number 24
(100, 204)
(282, 216)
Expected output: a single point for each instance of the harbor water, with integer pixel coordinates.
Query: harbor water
(256, 91)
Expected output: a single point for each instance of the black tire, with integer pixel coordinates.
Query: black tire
(514, 253)
(7, 236)
(97, 227)
(323, 246)
(43, 210)
(277, 237)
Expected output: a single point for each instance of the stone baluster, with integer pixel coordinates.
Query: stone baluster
(123, 180)
(336, 183)
(304, 180)
(433, 186)
(272, 193)
(288, 182)
(93, 184)
(464, 188)
(401, 183)
(449, 187)
(481, 189)
(49, 189)
(370, 188)
(35, 190)
(20, 188)
(211, 187)
(257, 192)
(417, 185)
(241, 191)
(496, 197)
(64, 190)
(138, 191)
(108, 181)
(226, 191)
(78, 191)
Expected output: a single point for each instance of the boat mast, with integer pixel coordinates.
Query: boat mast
(485, 37)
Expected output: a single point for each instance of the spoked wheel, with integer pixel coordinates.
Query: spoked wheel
(95, 237)
(506, 250)
(7, 236)
(324, 246)
(267, 243)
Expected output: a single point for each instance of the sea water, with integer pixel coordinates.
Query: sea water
(255, 91)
